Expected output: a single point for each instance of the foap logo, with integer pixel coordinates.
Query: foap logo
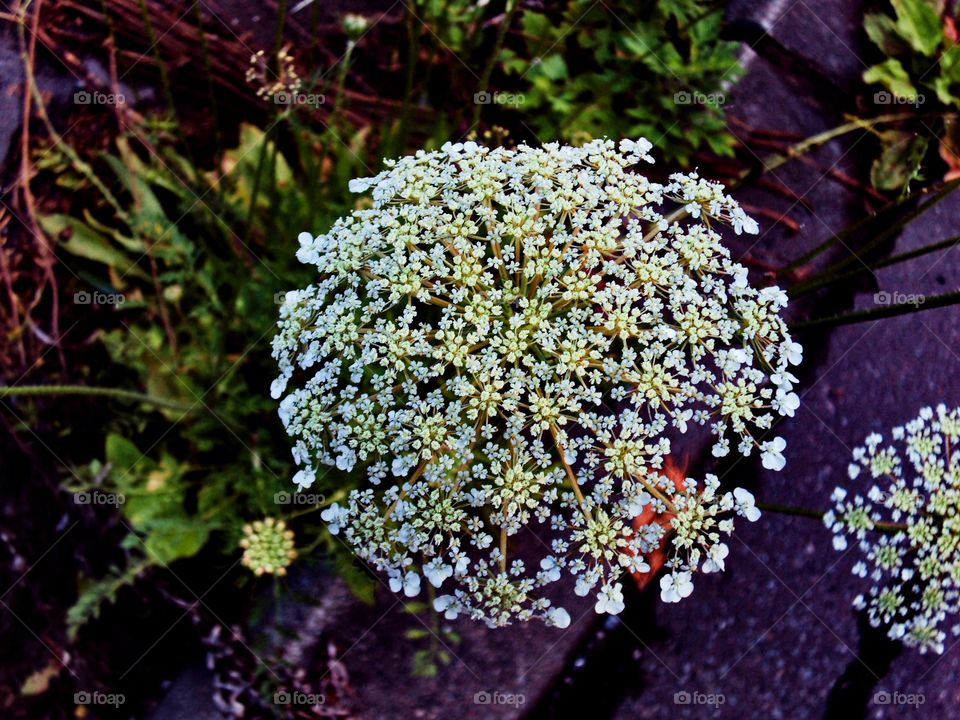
(98, 298)
(299, 98)
(296, 697)
(499, 98)
(685, 697)
(685, 97)
(86, 697)
(498, 698)
(98, 497)
(888, 98)
(898, 298)
(287, 498)
(882, 697)
(85, 97)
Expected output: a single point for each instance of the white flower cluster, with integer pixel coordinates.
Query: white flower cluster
(907, 527)
(504, 339)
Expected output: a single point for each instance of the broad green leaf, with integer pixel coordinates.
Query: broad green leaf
(919, 23)
(175, 538)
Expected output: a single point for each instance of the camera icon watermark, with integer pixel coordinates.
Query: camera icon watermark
(85, 97)
(883, 97)
(287, 498)
(686, 97)
(299, 98)
(86, 697)
(898, 298)
(882, 697)
(685, 697)
(296, 697)
(98, 298)
(98, 497)
(484, 697)
(499, 98)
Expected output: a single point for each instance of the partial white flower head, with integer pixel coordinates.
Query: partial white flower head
(906, 528)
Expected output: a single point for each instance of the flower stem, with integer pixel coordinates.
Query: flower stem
(791, 510)
(561, 452)
(920, 304)
(487, 72)
(890, 527)
(36, 390)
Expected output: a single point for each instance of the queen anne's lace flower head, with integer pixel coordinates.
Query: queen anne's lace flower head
(504, 340)
(907, 527)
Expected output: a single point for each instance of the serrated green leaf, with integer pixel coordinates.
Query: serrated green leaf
(94, 594)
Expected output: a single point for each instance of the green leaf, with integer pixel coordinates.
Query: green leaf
(947, 84)
(893, 77)
(121, 453)
(145, 202)
(79, 239)
(919, 23)
(175, 538)
(424, 664)
(38, 682)
(94, 594)
(882, 30)
(131, 244)
(536, 25)
(899, 162)
(553, 66)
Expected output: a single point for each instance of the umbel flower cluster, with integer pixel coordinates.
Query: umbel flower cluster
(502, 342)
(907, 527)
(267, 547)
